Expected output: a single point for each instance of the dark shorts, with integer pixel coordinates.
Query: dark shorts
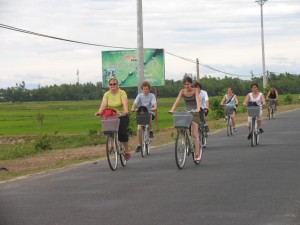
(123, 129)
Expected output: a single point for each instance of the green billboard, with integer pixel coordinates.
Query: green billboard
(123, 65)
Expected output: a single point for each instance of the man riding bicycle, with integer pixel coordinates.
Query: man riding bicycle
(148, 100)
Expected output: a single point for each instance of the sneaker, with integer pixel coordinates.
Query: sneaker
(127, 156)
(138, 149)
(249, 136)
(261, 130)
(197, 157)
(151, 134)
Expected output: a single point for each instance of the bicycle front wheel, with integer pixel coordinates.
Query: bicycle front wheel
(111, 151)
(229, 126)
(253, 133)
(147, 140)
(142, 141)
(122, 155)
(180, 149)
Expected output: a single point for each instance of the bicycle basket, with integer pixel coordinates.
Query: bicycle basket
(253, 111)
(142, 118)
(272, 102)
(110, 123)
(228, 109)
(182, 119)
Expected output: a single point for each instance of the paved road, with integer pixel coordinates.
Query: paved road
(235, 184)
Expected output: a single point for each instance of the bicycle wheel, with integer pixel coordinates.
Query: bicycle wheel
(122, 154)
(180, 148)
(111, 151)
(147, 140)
(273, 113)
(203, 138)
(270, 111)
(142, 141)
(253, 133)
(229, 126)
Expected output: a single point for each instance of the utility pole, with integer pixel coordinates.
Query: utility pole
(77, 75)
(197, 65)
(140, 47)
(261, 3)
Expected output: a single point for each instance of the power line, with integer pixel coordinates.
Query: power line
(110, 46)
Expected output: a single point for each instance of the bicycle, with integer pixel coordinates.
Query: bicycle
(202, 130)
(271, 109)
(228, 109)
(143, 118)
(110, 126)
(254, 111)
(184, 144)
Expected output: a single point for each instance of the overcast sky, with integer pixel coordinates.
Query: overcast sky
(224, 34)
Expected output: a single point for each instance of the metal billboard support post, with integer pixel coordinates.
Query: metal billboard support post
(140, 47)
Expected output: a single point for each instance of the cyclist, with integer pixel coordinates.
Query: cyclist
(231, 100)
(272, 94)
(204, 104)
(192, 102)
(258, 98)
(116, 99)
(148, 100)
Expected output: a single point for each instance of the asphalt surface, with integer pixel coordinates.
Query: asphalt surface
(235, 184)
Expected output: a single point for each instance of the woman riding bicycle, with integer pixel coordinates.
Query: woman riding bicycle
(256, 97)
(148, 100)
(192, 102)
(231, 100)
(272, 94)
(117, 99)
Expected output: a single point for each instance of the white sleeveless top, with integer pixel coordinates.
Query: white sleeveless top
(231, 102)
(257, 99)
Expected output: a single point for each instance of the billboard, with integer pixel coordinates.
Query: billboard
(122, 64)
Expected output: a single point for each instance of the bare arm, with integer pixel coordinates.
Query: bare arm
(236, 100)
(101, 108)
(223, 100)
(125, 105)
(176, 101)
(246, 100)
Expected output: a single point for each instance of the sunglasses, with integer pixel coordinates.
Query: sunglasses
(113, 84)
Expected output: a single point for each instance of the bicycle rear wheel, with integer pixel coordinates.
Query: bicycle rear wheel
(180, 148)
(142, 141)
(111, 151)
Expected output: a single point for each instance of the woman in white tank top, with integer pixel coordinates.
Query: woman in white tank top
(259, 98)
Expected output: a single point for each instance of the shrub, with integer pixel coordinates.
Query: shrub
(43, 143)
(288, 99)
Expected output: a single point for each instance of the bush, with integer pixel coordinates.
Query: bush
(288, 99)
(43, 143)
